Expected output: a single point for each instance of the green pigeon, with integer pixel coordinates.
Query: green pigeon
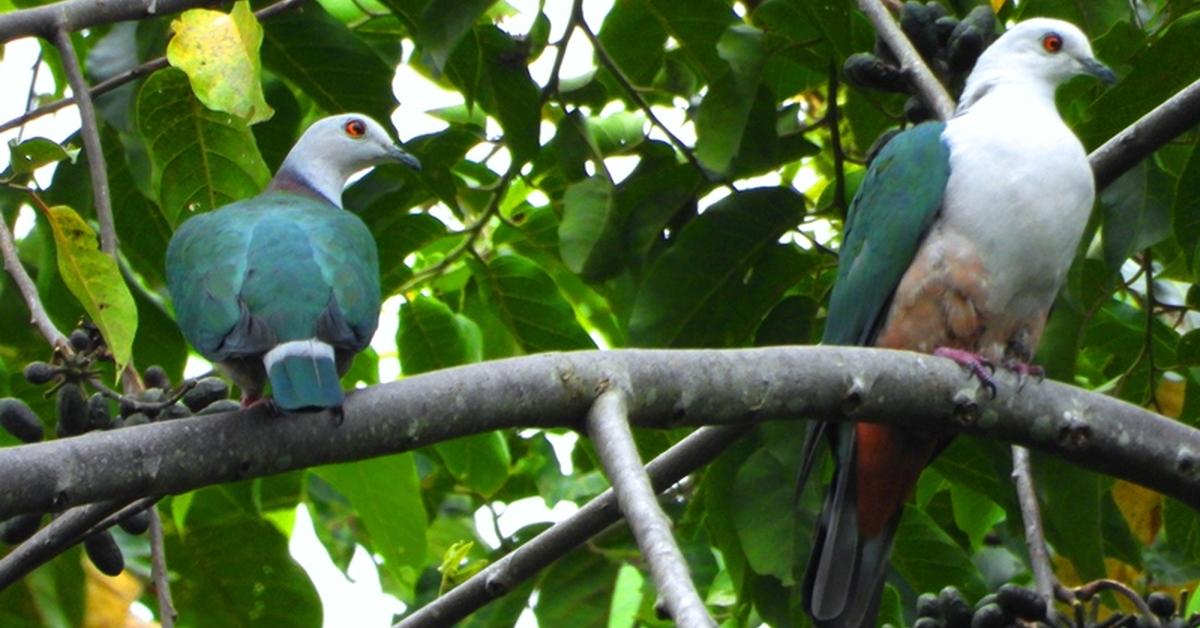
(283, 287)
(956, 244)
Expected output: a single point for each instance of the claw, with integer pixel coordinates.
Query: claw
(974, 363)
(1025, 370)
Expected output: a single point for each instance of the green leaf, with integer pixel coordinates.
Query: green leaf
(386, 494)
(764, 490)
(51, 596)
(576, 591)
(444, 23)
(34, 153)
(627, 597)
(974, 514)
(432, 337)
(718, 258)
(1071, 500)
(529, 304)
(696, 26)
(1136, 210)
(590, 232)
(328, 62)
(95, 280)
(1183, 530)
(929, 559)
(722, 118)
(219, 53)
(233, 565)
(480, 461)
(200, 159)
(635, 40)
(1185, 213)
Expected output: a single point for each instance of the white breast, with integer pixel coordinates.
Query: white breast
(1021, 189)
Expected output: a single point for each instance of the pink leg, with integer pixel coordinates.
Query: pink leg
(978, 365)
(1025, 370)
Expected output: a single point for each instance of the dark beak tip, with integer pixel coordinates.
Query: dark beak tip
(1101, 71)
(401, 156)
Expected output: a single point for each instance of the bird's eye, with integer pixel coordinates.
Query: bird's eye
(1052, 42)
(356, 128)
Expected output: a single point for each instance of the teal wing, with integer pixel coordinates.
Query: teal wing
(896, 204)
(279, 267)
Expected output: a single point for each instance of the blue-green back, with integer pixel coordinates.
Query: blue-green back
(897, 202)
(299, 266)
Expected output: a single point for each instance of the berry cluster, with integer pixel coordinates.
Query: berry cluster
(949, 46)
(1013, 606)
(68, 376)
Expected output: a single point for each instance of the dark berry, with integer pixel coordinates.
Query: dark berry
(99, 415)
(222, 405)
(137, 418)
(917, 22)
(985, 600)
(955, 609)
(174, 411)
(20, 527)
(1021, 602)
(72, 410)
(928, 605)
(80, 341)
(1161, 604)
(989, 616)
(205, 392)
(38, 373)
(156, 377)
(20, 420)
(102, 550)
(137, 522)
(927, 622)
(867, 70)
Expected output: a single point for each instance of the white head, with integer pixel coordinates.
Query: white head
(1041, 53)
(334, 148)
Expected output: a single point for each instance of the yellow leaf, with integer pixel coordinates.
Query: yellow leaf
(108, 599)
(1170, 395)
(220, 54)
(94, 279)
(1141, 507)
(996, 4)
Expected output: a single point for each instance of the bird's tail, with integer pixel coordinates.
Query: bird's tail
(877, 467)
(303, 374)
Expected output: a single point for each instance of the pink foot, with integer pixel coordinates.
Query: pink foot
(978, 365)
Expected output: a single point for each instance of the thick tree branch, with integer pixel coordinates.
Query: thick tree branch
(927, 85)
(608, 428)
(1137, 141)
(669, 388)
(502, 576)
(74, 15)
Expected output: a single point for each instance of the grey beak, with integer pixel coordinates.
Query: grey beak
(1099, 70)
(399, 155)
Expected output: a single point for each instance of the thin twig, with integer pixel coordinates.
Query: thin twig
(1089, 590)
(1035, 536)
(502, 576)
(608, 427)
(1153, 130)
(928, 87)
(158, 571)
(33, 77)
(134, 73)
(573, 21)
(833, 116)
(91, 140)
(609, 64)
(37, 313)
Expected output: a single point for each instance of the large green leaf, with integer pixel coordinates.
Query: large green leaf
(576, 590)
(50, 597)
(634, 39)
(763, 485)
(328, 62)
(94, 279)
(219, 53)
(201, 159)
(386, 494)
(590, 232)
(529, 304)
(929, 559)
(1072, 499)
(233, 565)
(719, 259)
(1136, 212)
(722, 118)
(444, 23)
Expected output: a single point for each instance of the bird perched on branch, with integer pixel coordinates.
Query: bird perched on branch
(956, 244)
(284, 286)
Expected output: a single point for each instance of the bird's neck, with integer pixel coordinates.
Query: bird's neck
(307, 173)
(990, 80)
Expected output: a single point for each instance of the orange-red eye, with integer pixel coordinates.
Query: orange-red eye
(1052, 42)
(356, 128)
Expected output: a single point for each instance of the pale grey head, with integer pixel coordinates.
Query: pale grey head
(333, 149)
(1041, 53)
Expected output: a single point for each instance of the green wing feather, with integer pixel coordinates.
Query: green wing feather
(280, 266)
(895, 205)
